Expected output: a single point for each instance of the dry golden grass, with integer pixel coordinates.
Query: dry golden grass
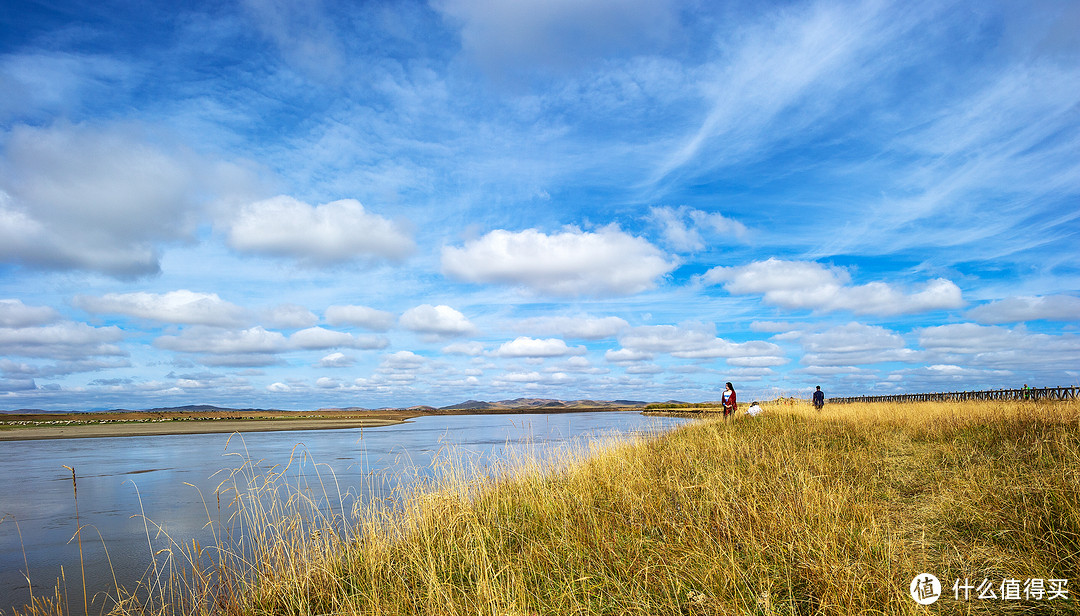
(793, 512)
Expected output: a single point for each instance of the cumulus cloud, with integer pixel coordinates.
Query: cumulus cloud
(360, 316)
(570, 263)
(337, 360)
(682, 228)
(330, 233)
(1016, 309)
(14, 313)
(61, 341)
(322, 338)
(994, 346)
(436, 322)
(12, 368)
(810, 285)
(585, 326)
(291, 316)
(201, 339)
(692, 341)
(623, 356)
(181, 307)
(74, 197)
(854, 344)
(524, 346)
(402, 368)
(258, 346)
(464, 348)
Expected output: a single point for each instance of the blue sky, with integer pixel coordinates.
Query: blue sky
(299, 204)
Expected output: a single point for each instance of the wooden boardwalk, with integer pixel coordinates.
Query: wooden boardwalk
(1033, 393)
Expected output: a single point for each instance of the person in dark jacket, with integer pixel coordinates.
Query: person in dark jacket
(819, 398)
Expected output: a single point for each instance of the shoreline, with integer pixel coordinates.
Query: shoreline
(149, 423)
(205, 426)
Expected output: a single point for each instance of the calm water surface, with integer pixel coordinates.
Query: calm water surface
(131, 486)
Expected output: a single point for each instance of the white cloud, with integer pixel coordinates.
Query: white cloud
(201, 339)
(810, 285)
(854, 344)
(644, 369)
(681, 228)
(994, 346)
(472, 348)
(402, 368)
(330, 233)
(1016, 309)
(579, 365)
(290, 316)
(63, 341)
(622, 356)
(337, 360)
(361, 316)
(436, 322)
(571, 263)
(509, 37)
(94, 199)
(14, 313)
(585, 326)
(11, 368)
(758, 362)
(182, 307)
(692, 341)
(524, 346)
(278, 388)
(787, 75)
(321, 338)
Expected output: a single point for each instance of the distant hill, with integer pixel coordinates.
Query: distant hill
(522, 404)
(539, 404)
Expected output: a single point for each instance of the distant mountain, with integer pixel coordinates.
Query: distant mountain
(469, 405)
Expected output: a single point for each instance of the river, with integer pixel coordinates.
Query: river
(132, 488)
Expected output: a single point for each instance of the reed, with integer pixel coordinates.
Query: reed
(793, 512)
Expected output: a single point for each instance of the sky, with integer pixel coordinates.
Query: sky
(300, 204)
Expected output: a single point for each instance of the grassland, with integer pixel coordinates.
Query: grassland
(793, 512)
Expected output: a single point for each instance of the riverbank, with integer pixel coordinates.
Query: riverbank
(35, 426)
(793, 512)
(14, 427)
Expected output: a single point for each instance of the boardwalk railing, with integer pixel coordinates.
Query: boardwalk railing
(1032, 393)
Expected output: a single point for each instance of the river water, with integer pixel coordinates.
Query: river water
(133, 493)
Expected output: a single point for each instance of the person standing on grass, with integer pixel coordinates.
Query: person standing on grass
(730, 405)
(819, 398)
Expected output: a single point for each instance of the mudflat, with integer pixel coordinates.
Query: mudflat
(142, 423)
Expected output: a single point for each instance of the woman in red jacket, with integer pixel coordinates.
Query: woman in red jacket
(730, 405)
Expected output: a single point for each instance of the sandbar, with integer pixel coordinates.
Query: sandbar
(187, 427)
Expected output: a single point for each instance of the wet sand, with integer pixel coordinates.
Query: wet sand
(187, 427)
(34, 426)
